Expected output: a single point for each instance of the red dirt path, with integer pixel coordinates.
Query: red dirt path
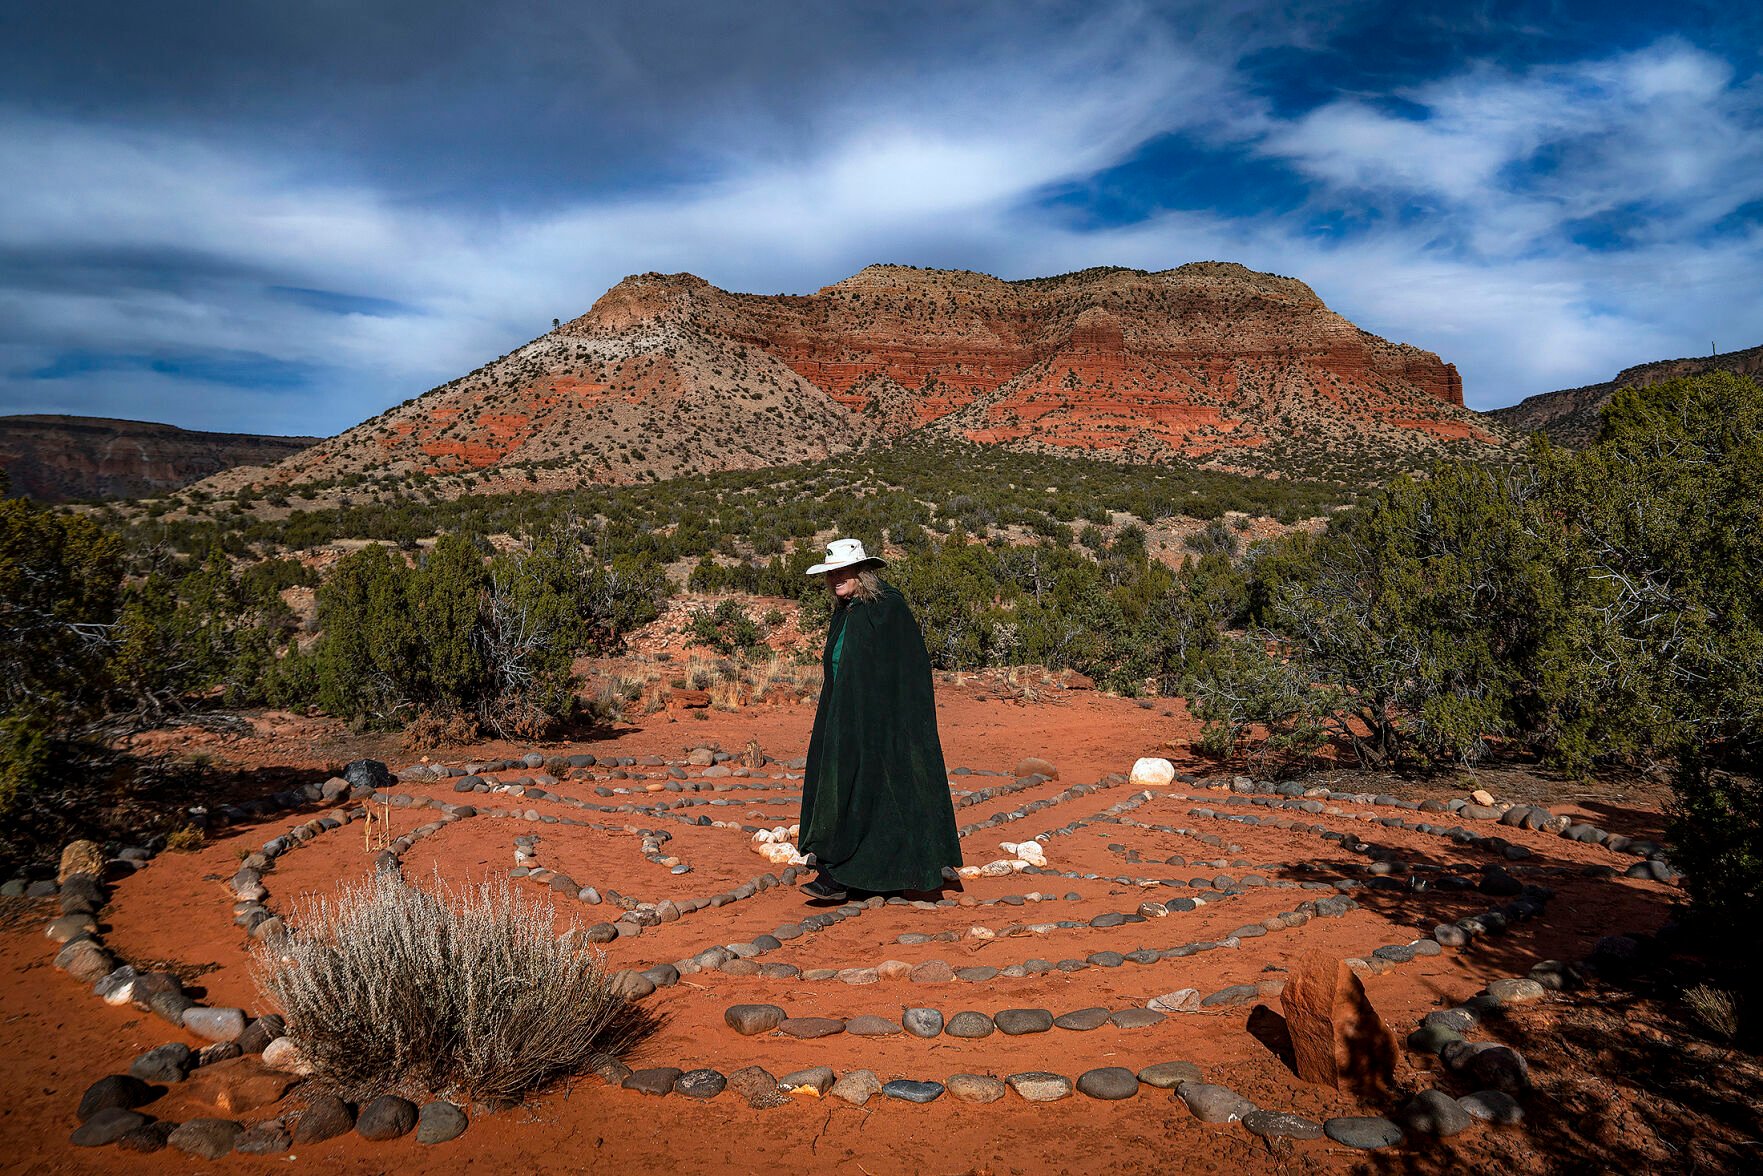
(57, 1037)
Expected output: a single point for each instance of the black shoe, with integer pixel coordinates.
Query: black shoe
(824, 889)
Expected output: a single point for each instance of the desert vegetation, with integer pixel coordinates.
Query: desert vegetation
(1581, 609)
(465, 992)
(1589, 609)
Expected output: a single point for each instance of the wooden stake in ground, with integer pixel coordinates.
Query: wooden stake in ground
(370, 842)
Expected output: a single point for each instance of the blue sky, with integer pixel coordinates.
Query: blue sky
(286, 217)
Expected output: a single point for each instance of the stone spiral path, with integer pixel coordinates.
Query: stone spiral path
(1162, 913)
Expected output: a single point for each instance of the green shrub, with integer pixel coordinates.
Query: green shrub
(727, 629)
(59, 579)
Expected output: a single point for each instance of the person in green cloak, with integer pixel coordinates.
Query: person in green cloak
(876, 811)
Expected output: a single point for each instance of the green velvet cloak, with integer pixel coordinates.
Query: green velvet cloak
(876, 810)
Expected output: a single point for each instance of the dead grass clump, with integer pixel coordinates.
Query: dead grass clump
(611, 702)
(469, 992)
(440, 728)
(189, 839)
(1715, 1009)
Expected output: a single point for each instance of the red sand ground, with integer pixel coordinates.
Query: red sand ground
(57, 1038)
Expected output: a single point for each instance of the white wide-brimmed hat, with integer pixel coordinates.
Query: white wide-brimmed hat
(844, 553)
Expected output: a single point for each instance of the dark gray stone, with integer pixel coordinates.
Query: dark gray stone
(751, 1019)
(969, 1024)
(386, 1117)
(1281, 1125)
(115, 1091)
(208, 1138)
(1108, 1083)
(1432, 1038)
(1498, 1067)
(703, 1083)
(164, 1063)
(440, 1121)
(107, 1126)
(1082, 1020)
(260, 1032)
(1136, 1018)
(1016, 1022)
(326, 1116)
(1433, 1112)
(1365, 1132)
(909, 1090)
(365, 776)
(147, 1139)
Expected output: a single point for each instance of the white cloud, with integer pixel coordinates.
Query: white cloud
(950, 172)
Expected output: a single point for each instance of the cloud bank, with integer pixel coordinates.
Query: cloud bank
(290, 244)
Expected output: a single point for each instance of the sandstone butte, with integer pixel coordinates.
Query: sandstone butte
(1210, 363)
(67, 458)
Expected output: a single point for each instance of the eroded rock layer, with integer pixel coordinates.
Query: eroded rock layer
(72, 458)
(667, 374)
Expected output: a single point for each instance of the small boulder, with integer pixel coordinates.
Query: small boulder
(1169, 1075)
(326, 1116)
(164, 1063)
(856, 1087)
(1040, 1086)
(1213, 1104)
(703, 1083)
(1108, 1083)
(1151, 773)
(440, 1121)
(1433, 1112)
(975, 1088)
(208, 1138)
(813, 1082)
(223, 1024)
(751, 1019)
(115, 1091)
(386, 1117)
(107, 1126)
(267, 1138)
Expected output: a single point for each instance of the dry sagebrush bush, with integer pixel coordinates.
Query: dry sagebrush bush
(387, 986)
(1716, 1009)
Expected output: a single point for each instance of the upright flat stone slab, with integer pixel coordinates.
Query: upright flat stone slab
(1338, 1039)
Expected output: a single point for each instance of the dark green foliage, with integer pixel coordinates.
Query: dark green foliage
(727, 629)
(58, 602)
(1236, 686)
(1717, 838)
(1592, 607)
(452, 633)
(901, 492)
(1120, 617)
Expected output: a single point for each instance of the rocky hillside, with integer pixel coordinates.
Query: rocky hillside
(1570, 416)
(72, 458)
(666, 374)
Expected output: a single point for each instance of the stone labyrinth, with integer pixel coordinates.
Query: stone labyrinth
(1234, 948)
